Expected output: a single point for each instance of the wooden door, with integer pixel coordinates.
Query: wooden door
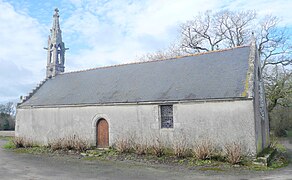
(102, 134)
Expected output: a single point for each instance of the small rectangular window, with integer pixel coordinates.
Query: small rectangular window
(166, 116)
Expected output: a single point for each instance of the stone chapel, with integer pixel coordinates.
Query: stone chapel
(217, 95)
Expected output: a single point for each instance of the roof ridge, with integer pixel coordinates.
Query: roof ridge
(144, 62)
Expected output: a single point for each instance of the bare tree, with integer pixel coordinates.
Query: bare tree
(199, 34)
(274, 44)
(236, 27)
(226, 29)
(211, 31)
(172, 52)
(7, 108)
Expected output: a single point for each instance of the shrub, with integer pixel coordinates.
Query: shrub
(233, 152)
(158, 148)
(140, 149)
(180, 147)
(69, 143)
(19, 142)
(123, 145)
(22, 142)
(203, 150)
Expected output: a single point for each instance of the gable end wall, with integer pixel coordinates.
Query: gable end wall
(255, 90)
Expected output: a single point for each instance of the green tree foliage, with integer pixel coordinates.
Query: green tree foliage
(279, 95)
(6, 125)
(7, 119)
(281, 120)
(278, 86)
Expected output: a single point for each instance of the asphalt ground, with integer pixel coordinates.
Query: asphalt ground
(29, 166)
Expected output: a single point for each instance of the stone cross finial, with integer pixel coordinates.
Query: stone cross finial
(252, 35)
(253, 39)
(56, 13)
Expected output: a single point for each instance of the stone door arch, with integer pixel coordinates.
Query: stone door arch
(102, 133)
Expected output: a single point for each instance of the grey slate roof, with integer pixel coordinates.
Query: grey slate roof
(214, 75)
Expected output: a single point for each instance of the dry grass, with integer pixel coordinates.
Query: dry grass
(124, 145)
(203, 149)
(141, 146)
(69, 143)
(158, 148)
(233, 152)
(141, 149)
(180, 147)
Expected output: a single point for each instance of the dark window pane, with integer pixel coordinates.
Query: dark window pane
(166, 116)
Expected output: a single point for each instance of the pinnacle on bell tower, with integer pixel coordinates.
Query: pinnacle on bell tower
(56, 49)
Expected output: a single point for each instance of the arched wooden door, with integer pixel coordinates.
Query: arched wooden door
(102, 134)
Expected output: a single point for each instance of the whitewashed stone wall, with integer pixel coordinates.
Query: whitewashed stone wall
(221, 122)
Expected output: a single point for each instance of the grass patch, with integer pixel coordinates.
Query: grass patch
(281, 148)
(198, 162)
(34, 150)
(9, 145)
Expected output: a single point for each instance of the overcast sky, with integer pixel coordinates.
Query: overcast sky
(98, 32)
